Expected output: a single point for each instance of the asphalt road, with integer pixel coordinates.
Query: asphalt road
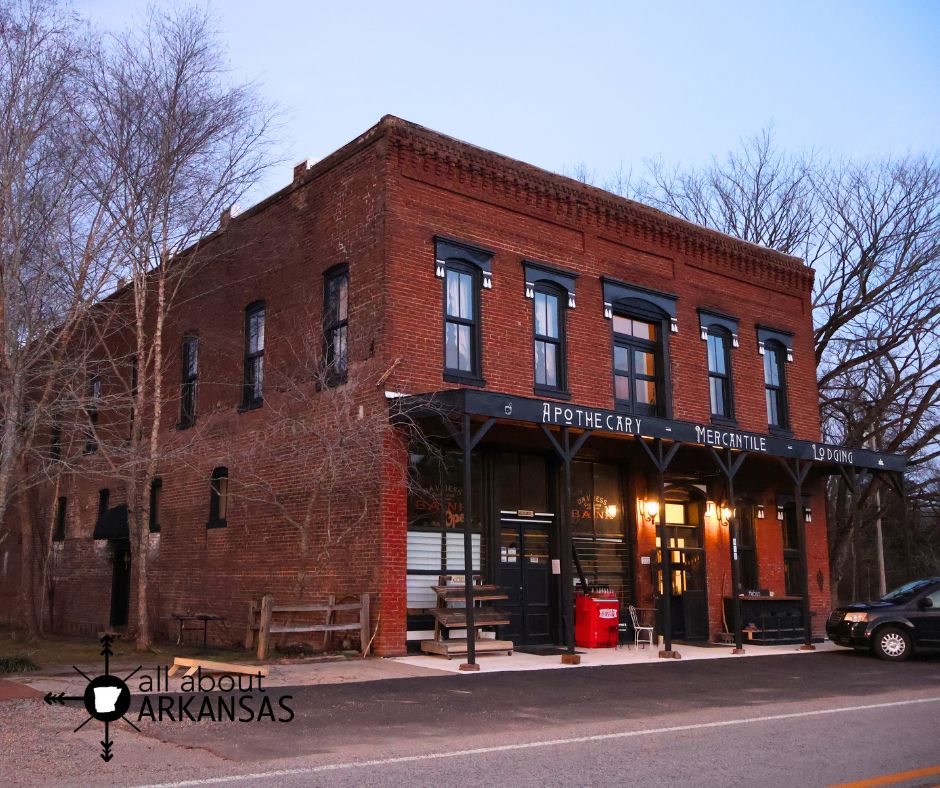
(816, 719)
(807, 719)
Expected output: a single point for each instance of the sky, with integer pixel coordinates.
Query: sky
(608, 85)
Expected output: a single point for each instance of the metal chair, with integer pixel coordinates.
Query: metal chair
(641, 633)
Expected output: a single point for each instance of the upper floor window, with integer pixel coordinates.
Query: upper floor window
(156, 493)
(775, 385)
(218, 498)
(336, 324)
(254, 355)
(58, 535)
(189, 376)
(719, 374)
(461, 322)
(638, 378)
(94, 401)
(549, 318)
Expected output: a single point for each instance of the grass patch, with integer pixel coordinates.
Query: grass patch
(17, 663)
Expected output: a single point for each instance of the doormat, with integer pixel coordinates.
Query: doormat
(544, 651)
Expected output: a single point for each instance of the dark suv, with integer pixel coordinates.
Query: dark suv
(906, 619)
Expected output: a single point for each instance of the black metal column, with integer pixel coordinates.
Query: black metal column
(730, 466)
(467, 441)
(661, 461)
(567, 453)
(798, 474)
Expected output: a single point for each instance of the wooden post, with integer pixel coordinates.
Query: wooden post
(264, 625)
(364, 624)
(252, 624)
(330, 601)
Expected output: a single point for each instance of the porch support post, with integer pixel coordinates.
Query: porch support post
(567, 453)
(661, 460)
(730, 465)
(467, 440)
(798, 473)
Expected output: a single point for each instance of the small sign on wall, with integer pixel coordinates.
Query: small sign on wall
(556, 566)
(645, 560)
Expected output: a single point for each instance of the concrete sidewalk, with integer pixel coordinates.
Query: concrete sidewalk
(346, 671)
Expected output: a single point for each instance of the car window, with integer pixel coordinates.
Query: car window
(906, 591)
(935, 598)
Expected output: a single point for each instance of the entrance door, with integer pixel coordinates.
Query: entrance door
(120, 581)
(523, 565)
(689, 612)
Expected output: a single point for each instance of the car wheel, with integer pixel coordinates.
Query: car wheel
(892, 643)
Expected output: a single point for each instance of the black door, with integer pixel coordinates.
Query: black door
(120, 581)
(523, 565)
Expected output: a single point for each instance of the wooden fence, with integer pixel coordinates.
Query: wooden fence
(261, 619)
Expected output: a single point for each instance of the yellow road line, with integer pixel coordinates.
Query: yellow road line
(889, 779)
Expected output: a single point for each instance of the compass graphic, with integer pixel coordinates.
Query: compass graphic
(107, 698)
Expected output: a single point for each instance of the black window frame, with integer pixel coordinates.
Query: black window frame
(104, 500)
(249, 400)
(58, 533)
(218, 498)
(630, 309)
(560, 342)
(156, 494)
(335, 371)
(726, 378)
(189, 380)
(55, 442)
(92, 411)
(780, 392)
(792, 555)
(474, 376)
(746, 513)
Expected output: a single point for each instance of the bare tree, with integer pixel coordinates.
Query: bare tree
(871, 231)
(55, 241)
(185, 144)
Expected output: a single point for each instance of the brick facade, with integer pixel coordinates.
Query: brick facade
(377, 204)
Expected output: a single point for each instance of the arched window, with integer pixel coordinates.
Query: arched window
(639, 358)
(549, 335)
(218, 498)
(775, 385)
(719, 373)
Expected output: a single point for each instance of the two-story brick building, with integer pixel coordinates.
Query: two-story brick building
(623, 376)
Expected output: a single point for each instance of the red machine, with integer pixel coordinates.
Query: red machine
(596, 620)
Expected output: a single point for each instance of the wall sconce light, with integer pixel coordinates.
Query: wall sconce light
(760, 511)
(780, 513)
(807, 515)
(726, 513)
(709, 508)
(650, 510)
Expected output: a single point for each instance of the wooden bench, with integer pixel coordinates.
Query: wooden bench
(261, 620)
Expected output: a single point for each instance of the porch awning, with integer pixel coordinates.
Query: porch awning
(112, 524)
(561, 414)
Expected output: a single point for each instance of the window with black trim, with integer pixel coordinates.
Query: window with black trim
(775, 385)
(253, 394)
(58, 535)
(336, 324)
(55, 442)
(792, 564)
(189, 378)
(156, 493)
(747, 544)
(638, 364)
(104, 498)
(549, 331)
(94, 401)
(462, 321)
(218, 498)
(719, 374)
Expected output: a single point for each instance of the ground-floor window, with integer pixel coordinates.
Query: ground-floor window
(598, 526)
(436, 526)
(747, 544)
(792, 564)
